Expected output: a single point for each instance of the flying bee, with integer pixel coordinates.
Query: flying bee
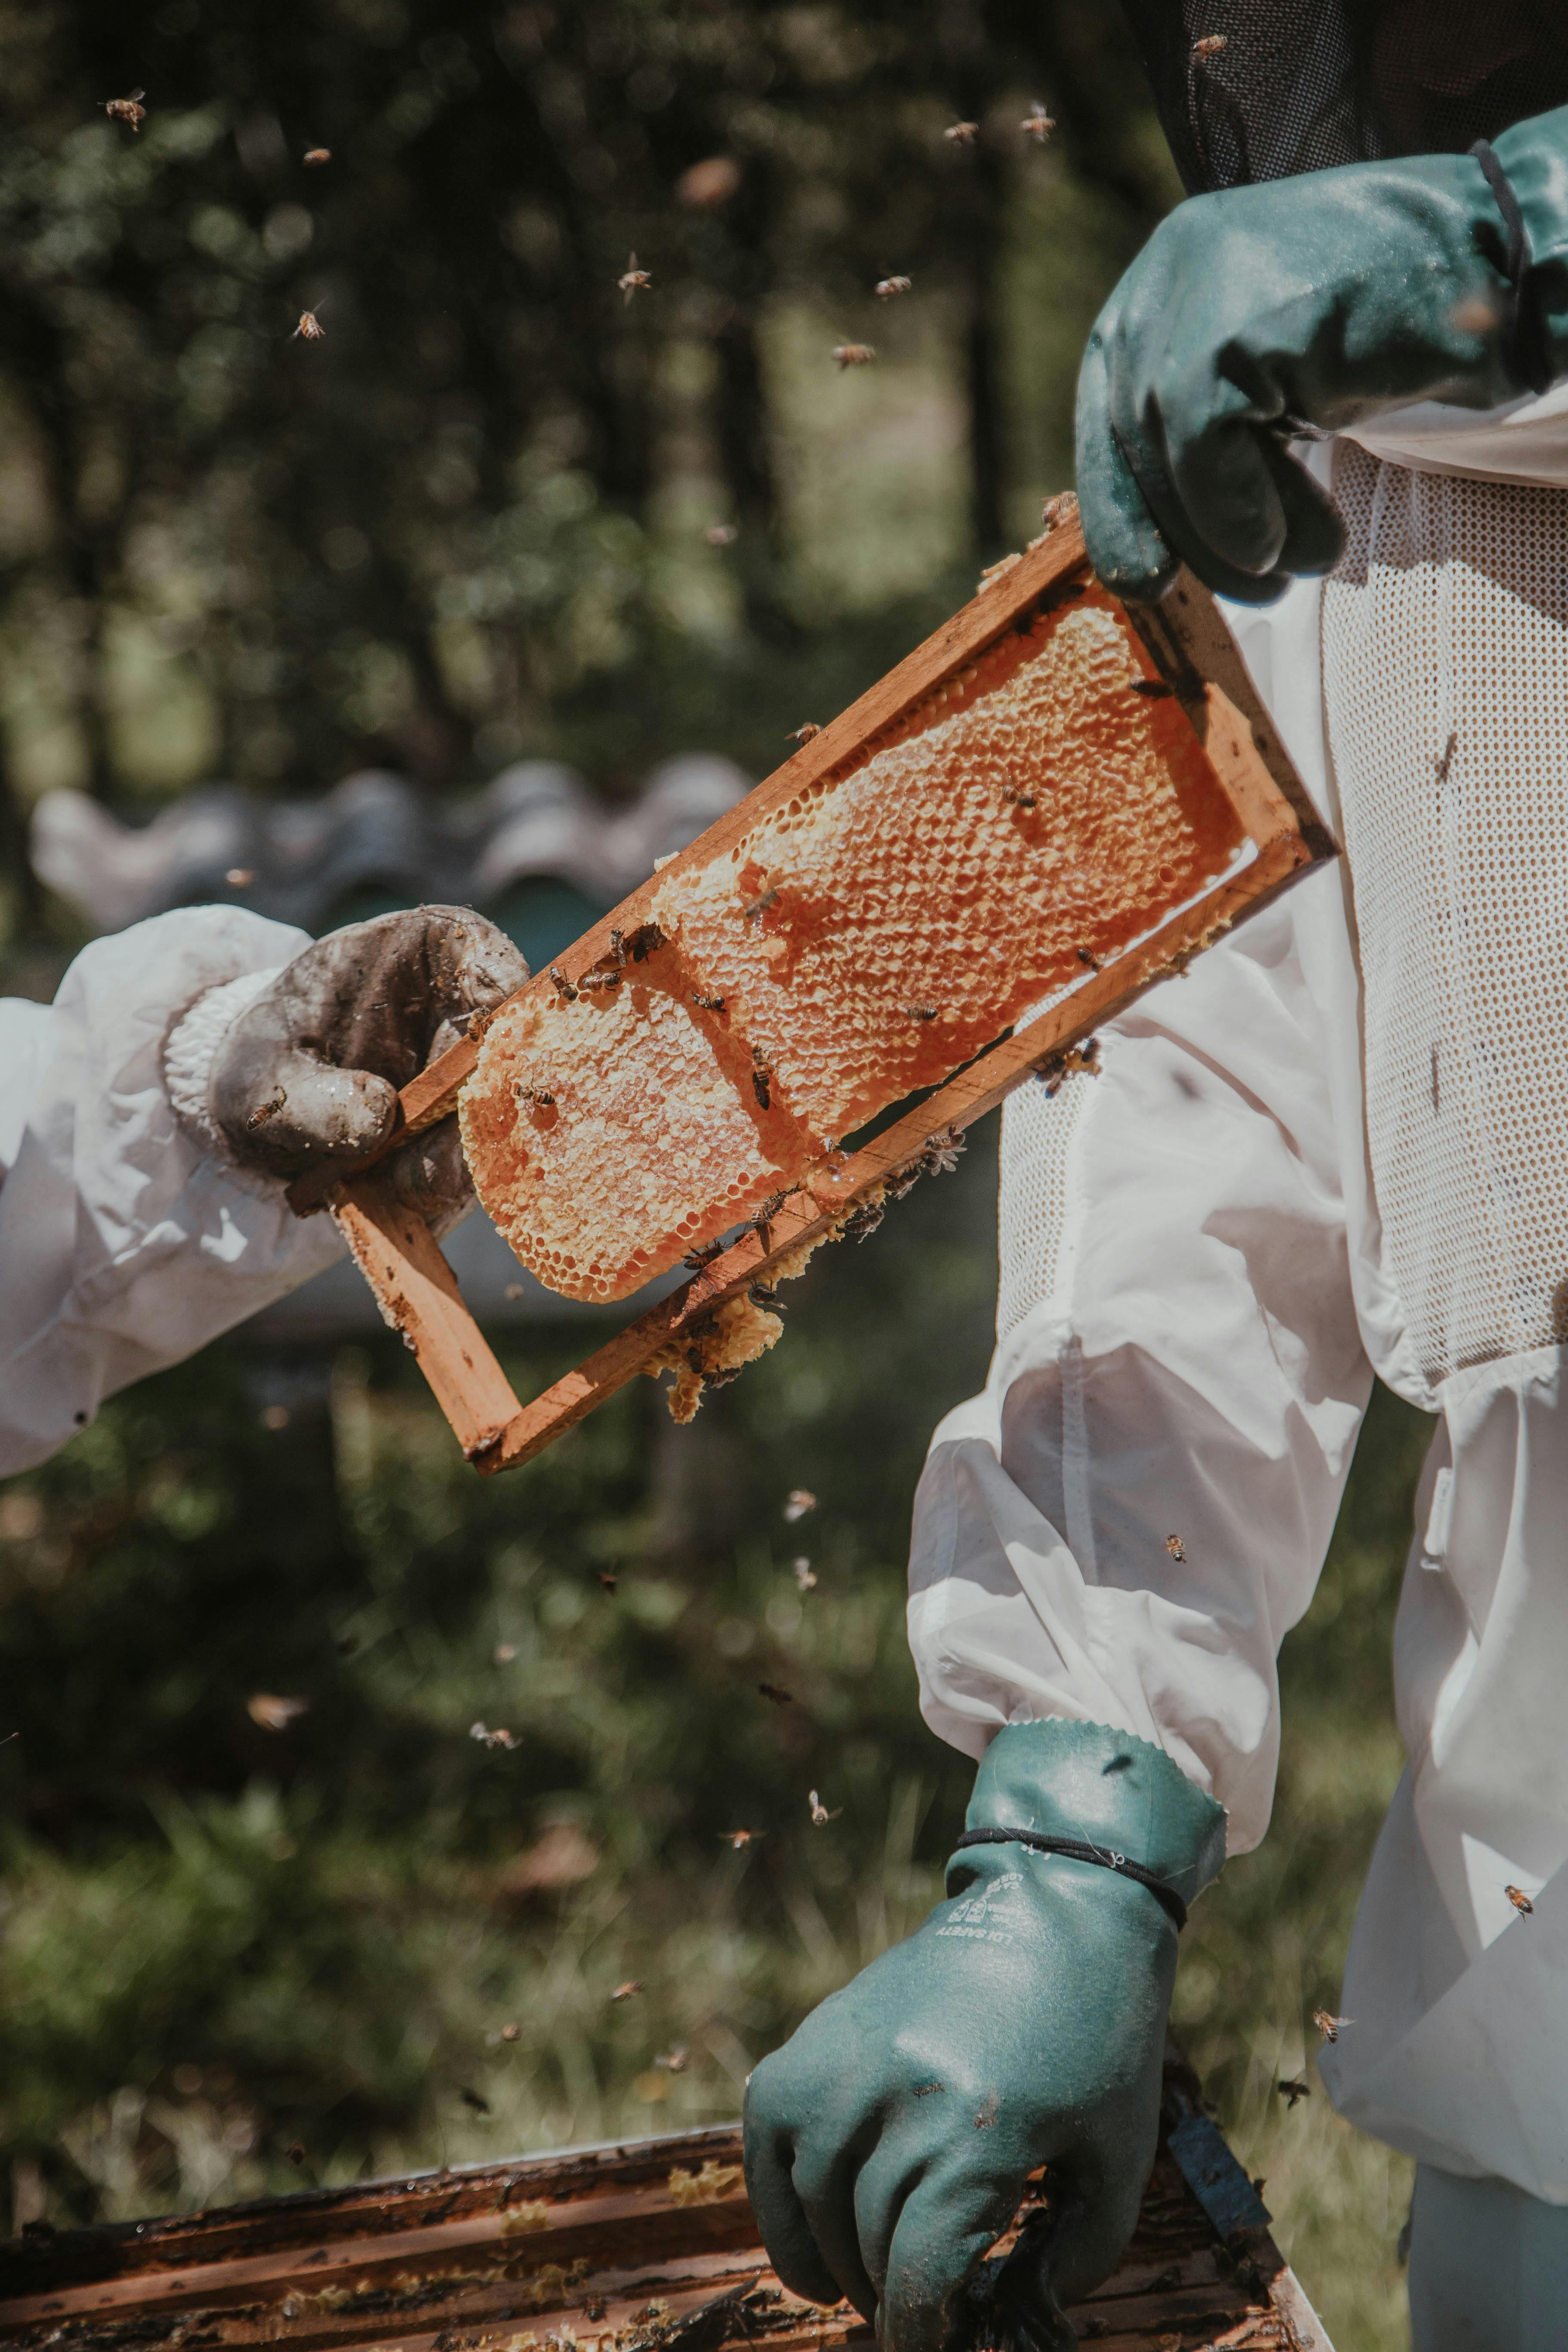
(625, 1992)
(1211, 45)
(805, 731)
(1038, 124)
(608, 1579)
(740, 1838)
(887, 288)
(775, 1691)
(799, 1501)
(1175, 1546)
(850, 355)
(126, 109)
(820, 1816)
(1329, 2027)
(676, 2059)
(721, 534)
(633, 280)
(500, 1738)
(805, 1581)
(512, 2033)
(1291, 2092)
(1521, 1901)
(962, 134)
(310, 327)
(264, 1111)
(317, 155)
(707, 1003)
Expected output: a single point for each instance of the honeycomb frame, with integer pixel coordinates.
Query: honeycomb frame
(1193, 682)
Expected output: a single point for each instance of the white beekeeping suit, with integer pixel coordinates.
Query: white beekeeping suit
(1338, 1146)
(124, 1244)
(151, 1117)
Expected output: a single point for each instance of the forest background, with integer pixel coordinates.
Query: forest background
(499, 509)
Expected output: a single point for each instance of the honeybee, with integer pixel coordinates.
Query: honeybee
(762, 1090)
(645, 940)
(943, 1150)
(697, 1258)
(820, 1816)
(1084, 957)
(1038, 124)
(126, 109)
(1175, 1546)
(500, 1738)
(317, 155)
(1210, 45)
(264, 1111)
(1020, 799)
(805, 731)
(1291, 2092)
(512, 2033)
(563, 987)
(921, 1011)
(962, 134)
(707, 1003)
(806, 1581)
(1329, 2027)
(608, 1579)
(775, 1691)
(1152, 689)
(310, 327)
(625, 1992)
(887, 288)
(633, 280)
(721, 534)
(863, 1222)
(1521, 1901)
(1057, 510)
(618, 947)
(676, 2059)
(740, 1838)
(759, 905)
(850, 355)
(799, 1500)
(539, 1095)
(764, 1298)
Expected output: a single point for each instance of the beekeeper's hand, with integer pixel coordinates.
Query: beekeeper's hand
(1319, 301)
(888, 2143)
(308, 1075)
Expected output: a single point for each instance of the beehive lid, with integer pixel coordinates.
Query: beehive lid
(636, 2246)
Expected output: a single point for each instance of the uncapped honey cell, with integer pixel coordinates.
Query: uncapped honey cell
(1025, 823)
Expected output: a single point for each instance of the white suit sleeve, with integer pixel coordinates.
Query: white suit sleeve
(124, 1244)
(1126, 1523)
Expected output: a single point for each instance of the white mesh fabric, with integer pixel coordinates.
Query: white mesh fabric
(1034, 1197)
(1446, 674)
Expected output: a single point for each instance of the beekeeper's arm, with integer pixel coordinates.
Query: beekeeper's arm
(151, 1118)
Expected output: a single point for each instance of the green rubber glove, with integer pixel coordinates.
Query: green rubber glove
(888, 2143)
(1319, 301)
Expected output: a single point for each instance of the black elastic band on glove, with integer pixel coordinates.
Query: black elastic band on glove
(1078, 1850)
(1523, 345)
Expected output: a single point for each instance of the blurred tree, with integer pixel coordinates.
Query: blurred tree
(406, 539)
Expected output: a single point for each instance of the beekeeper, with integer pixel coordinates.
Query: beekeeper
(151, 1117)
(1338, 1147)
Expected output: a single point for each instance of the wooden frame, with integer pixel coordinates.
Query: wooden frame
(1192, 651)
(647, 2246)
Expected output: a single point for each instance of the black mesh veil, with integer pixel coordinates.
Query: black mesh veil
(1254, 89)
(1257, 90)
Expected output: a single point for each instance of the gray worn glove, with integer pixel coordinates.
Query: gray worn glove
(308, 1075)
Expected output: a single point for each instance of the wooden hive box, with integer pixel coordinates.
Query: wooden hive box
(637, 2246)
